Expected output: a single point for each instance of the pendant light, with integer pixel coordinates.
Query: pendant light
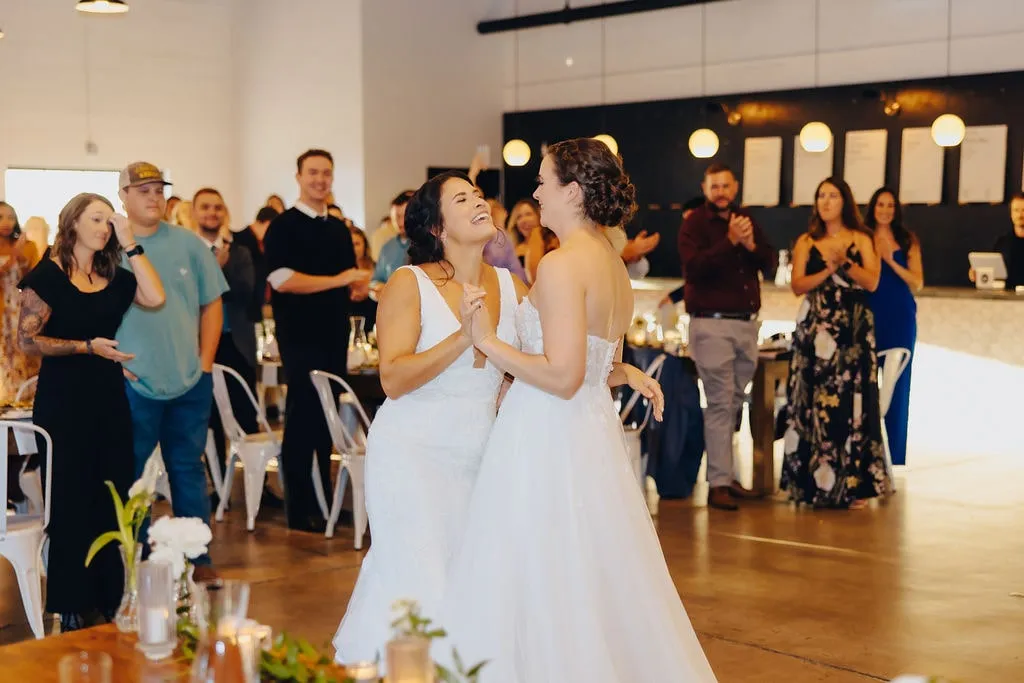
(948, 130)
(610, 142)
(516, 152)
(816, 136)
(102, 6)
(703, 142)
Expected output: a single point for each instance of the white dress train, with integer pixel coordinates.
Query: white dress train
(560, 576)
(422, 457)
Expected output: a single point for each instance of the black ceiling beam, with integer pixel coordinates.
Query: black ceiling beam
(568, 14)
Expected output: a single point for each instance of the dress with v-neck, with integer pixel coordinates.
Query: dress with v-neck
(422, 456)
(80, 401)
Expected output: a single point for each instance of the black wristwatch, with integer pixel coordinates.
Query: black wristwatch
(137, 250)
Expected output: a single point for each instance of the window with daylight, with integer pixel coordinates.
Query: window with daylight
(40, 193)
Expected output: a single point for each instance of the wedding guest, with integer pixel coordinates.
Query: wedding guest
(723, 251)
(17, 257)
(1011, 245)
(395, 253)
(72, 305)
(834, 456)
(237, 346)
(500, 252)
(314, 278)
(893, 304)
(276, 203)
(170, 386)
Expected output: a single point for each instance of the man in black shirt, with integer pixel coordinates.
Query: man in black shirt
(313, 277)
(252, 239)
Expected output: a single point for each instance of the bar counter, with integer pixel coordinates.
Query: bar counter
(981, 323)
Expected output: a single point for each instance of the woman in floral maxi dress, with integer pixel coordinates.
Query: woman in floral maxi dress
(834, 456)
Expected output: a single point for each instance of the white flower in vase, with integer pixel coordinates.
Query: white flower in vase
(170, 556)
(187, 536)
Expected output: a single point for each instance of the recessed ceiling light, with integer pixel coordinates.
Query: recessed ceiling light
(568, 61)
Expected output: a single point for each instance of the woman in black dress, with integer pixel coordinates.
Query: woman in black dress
(834, 455)
(71, 306)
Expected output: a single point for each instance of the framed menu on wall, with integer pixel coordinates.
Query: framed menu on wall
(809, 169)
(864, 168)
(921, 162)
(983, 165)
(762, 171)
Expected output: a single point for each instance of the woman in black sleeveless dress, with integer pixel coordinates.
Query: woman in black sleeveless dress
(72, 305)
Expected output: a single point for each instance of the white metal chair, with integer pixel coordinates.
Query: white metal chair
(255, 452)
(891, 365)
(633, 432)
(351, 445)
(22, 536)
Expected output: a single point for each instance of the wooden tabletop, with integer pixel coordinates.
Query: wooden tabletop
(36, 660)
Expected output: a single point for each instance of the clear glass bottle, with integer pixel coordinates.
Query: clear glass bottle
(357, 343)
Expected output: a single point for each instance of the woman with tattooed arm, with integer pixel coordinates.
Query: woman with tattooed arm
(71, 306)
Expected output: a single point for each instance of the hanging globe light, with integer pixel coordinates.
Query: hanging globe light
(948, 130)
(102, 6)
(516, 152)
(609, 141)
(703, 143)
(815, 137)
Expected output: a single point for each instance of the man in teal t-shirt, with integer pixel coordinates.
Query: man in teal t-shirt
(170, 386)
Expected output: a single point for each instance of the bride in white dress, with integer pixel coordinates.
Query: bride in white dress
(424, 446)
(560, 577)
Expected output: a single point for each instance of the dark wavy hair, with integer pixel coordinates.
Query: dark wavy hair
(105, 261)
(609, 198)
(424, 223)
(16, 230)
(903, 235)
(850, 216)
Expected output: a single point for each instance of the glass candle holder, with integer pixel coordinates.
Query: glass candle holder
(409, 660)
(362, 672)
(157, 610)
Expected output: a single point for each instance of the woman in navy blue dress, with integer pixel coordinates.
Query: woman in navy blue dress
(894, 305)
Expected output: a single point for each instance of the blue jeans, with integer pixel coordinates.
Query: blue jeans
(179, 426)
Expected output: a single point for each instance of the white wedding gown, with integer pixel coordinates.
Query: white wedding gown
(560, 577)
(422, 457)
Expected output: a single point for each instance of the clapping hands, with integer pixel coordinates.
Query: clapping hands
(741, 231)
(476, 319)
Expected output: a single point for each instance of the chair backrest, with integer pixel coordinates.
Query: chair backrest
(344, 440)
(892, 363)
(653, 370)
(23, 389)
(222, 398)
(5, 427)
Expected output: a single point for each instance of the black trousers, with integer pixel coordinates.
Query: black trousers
(305, 429)
(229, 355)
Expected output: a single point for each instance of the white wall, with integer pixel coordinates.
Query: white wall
(433, 92)
(299, 83)
(752, 45)
(160, 89)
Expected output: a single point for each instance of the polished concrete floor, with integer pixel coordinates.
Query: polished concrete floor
(931, 582)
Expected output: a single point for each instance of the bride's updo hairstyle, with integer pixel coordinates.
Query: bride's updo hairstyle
(423, 221)
(609, 198)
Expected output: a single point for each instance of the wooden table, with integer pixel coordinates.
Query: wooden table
(770, 370)
(36, 660)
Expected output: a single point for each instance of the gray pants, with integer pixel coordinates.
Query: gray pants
(725, 352)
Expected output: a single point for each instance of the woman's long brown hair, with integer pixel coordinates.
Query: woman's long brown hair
(105, 262)
(850, 216)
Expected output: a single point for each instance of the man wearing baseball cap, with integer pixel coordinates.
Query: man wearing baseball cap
(170, 386)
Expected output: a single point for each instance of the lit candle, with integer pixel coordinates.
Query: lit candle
(362, 672)
(154, 625)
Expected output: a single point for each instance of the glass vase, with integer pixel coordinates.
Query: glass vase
(184, 594)
(357, 343)
(127, 617)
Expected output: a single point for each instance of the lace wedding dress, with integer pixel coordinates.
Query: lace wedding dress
(560, 576)
(422, 457)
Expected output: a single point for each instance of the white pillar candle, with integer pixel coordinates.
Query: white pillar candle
(154, 625)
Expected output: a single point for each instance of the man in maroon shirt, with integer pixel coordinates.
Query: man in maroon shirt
(722, 250)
